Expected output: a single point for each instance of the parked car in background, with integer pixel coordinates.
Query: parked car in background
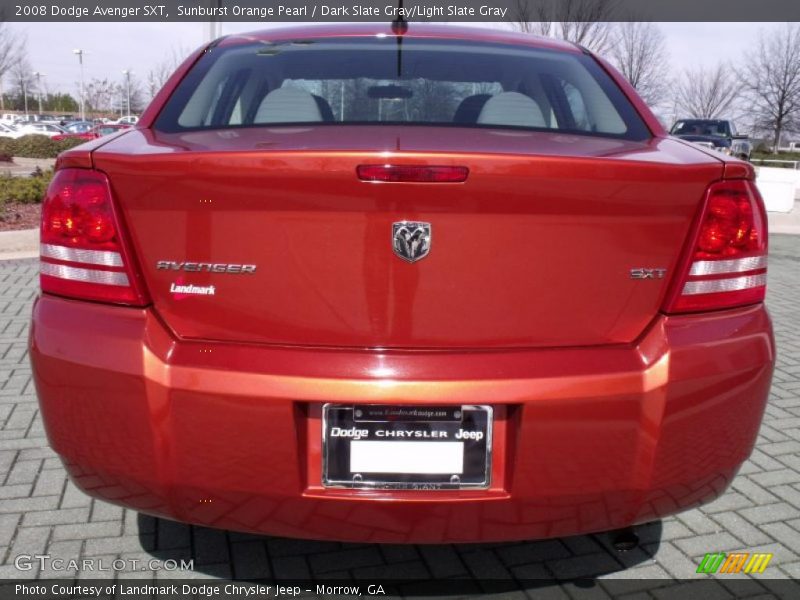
(718, 134)
(29, 118)
(93, 133)
(129, 120)
(9, 131)
(47, 129)
(63, 119)
(78, 126)
(438, 285)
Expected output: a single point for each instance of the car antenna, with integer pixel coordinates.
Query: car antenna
(399, 27)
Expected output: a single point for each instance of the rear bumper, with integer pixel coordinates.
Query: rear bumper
(228, 436)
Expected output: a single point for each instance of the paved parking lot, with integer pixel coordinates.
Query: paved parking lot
(41, 512)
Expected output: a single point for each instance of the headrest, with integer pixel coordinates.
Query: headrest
(512, 108)
(288, 105)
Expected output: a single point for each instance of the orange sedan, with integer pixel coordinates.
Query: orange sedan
(437, 285)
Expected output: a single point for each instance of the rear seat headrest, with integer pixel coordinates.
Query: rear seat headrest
(513, 109)
(288, 105)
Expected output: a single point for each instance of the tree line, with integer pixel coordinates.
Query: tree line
(761, 89)
(23, 88)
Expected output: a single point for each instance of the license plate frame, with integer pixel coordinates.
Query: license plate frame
(423, 429)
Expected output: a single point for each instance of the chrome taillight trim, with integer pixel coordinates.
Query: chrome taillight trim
(84, 275)
(105, 258)
(732, 284)
(735, 265)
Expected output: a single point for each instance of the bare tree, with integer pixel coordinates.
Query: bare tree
(770, 79)
(99, 95)
(158, 75)
(531, 17)
(119, 99)
(22, 81)
(138, 100)
(640, 54)
(12, 47)
(583, 22)
(707, 93)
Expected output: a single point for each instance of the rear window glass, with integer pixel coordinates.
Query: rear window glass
(388, 80)
(701, 127)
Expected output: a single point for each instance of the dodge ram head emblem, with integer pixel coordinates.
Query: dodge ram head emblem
(411, 240)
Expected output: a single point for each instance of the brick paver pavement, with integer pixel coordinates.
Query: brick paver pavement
(41, 512)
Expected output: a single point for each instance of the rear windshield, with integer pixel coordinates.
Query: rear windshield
(408, 81)
(701, 127)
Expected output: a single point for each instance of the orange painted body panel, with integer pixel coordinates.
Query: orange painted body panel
(587, 439)
(576, 215)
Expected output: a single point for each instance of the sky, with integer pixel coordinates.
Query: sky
(111, 48)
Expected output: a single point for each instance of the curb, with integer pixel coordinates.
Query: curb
(785, 229)
(21, 166)
(780, 222)
(19, 244)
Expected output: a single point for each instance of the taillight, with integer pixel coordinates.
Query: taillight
(83, 253)
(728, 265)
(412, 173)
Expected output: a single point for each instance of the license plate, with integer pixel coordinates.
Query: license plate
(406, 447)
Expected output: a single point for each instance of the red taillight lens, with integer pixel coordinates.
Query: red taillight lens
(83, 254)
(728, 265)
(412, 173)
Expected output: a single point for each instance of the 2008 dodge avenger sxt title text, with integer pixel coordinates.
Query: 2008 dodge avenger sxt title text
(366, 283)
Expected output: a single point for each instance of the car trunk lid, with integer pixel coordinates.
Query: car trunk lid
(538, 247)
